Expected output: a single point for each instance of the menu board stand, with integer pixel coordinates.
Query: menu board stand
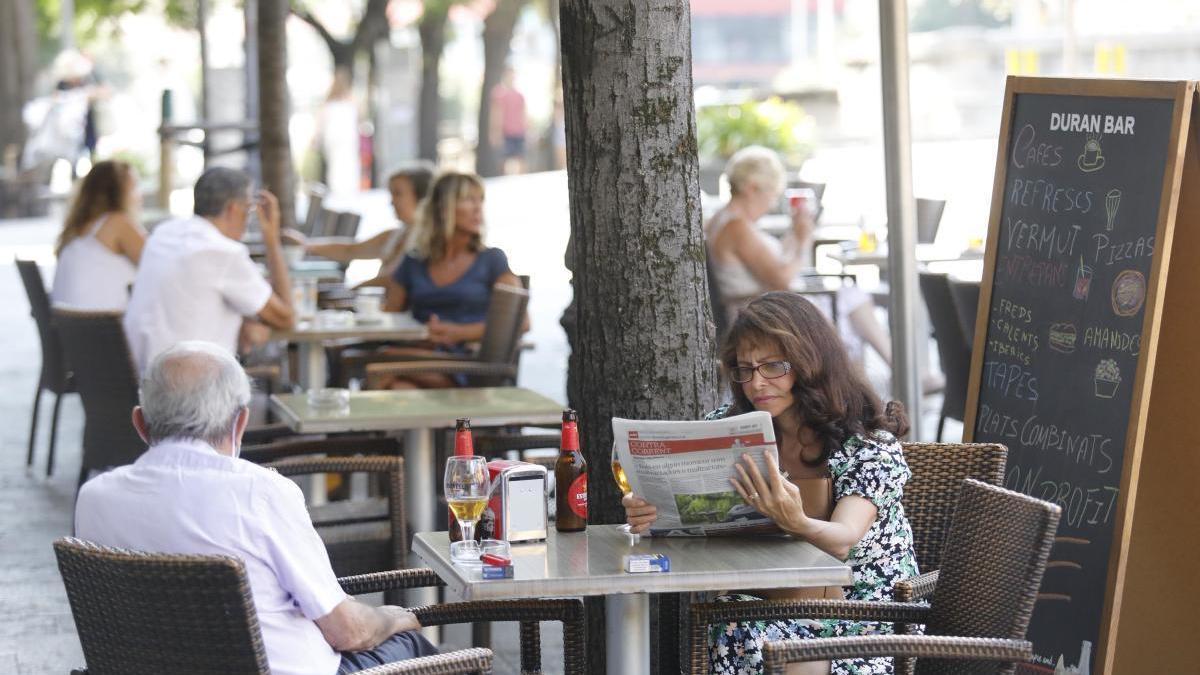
(1086, 365)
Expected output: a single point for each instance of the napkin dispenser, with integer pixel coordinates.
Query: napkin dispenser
(517, 509)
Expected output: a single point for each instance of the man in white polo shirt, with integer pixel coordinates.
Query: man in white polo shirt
(196, 280)
(190, 494)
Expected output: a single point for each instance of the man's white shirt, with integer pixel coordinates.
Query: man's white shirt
(193, 283)
(184, 497)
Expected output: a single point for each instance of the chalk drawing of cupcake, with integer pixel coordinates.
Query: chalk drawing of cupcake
(1108, 378)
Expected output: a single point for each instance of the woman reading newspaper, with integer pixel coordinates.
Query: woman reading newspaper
(782, 356)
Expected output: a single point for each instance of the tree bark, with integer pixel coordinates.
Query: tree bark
(372, 27)
(644, 344)
(275, 107)
(17, 51)
(432, 29)
(498, 30)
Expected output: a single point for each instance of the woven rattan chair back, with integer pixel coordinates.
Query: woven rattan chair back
(314, 216)
(938, 469)
(95, 347)
(502, 326)
(966, 305)
(54, 371)
(361, 536)
(991, 570)
(150, 613)
(347, 225)
(929, 217)
(954, 352)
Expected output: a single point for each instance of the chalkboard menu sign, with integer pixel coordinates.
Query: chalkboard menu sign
(1077, 212)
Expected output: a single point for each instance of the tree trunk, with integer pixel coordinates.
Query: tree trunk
(432, 29)
(498, 30)
(17, 50)
(275, 107)
(644, 346)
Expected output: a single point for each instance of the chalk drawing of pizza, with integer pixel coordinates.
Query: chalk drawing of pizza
(1128, 293)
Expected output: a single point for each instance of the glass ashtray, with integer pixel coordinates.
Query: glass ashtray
(329, 398)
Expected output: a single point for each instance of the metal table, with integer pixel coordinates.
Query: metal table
(310, 337)
(590, 563)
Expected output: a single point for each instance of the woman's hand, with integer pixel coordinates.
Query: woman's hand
(639, 513)
(774, 496)
(293, 237)
(802, 223)
(443, 332)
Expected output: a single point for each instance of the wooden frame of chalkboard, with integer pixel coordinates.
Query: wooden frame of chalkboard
(1062, 232)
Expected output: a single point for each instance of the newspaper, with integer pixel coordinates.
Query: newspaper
(683, 468)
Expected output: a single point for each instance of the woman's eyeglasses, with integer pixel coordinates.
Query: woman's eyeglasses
(770, 370)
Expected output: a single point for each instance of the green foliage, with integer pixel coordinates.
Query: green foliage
(93, 15)
(936, 14)
(774, 123)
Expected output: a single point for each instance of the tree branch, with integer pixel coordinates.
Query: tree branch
(372, 27)
(307, 17)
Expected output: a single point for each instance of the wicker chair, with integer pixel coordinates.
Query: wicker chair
(930, 497)
(954, 352)
(995, 555)
(150, 613)
(55, 378)
(495, 364)
(96, 351)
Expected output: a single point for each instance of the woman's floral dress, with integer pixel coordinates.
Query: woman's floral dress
(872, 467)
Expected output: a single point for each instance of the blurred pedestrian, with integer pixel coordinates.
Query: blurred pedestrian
(338, 138)
(509, 126)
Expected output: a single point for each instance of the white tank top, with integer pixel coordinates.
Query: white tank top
(90, 276)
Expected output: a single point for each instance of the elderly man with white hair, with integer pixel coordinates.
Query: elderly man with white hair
(191, 494)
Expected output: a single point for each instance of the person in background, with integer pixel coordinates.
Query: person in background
(408, 186)
(337, 137)
(509, 126)
(196, 280)
(101, 241)
(783, 357)
(748, 262)
(189, 493)
(446, 280)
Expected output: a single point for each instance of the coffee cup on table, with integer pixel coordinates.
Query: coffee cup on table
(293, 254)
(367, 306)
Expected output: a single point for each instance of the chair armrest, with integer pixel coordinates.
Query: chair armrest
(473, 660)
(779, 653)
(338, 445)
(266, 433)
(915, 588)
(303, 466)
(706, 613)
(392, 580)
(377, 371)
(568, 611)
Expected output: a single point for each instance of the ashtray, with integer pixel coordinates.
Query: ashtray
(329, 398)
(334, 318)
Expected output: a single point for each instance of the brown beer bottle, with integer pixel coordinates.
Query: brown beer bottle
(570, 479)
(464, 446)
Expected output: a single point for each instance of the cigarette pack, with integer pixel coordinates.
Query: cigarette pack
(496, 572)
(647, 562)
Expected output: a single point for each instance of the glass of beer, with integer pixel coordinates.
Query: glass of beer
(467, 490)
(622, 485)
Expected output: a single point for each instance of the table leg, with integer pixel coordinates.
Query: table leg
(627, 628)
(312, 365)
(420, 497)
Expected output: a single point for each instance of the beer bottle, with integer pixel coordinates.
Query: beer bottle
(570, 478)
(464, 446)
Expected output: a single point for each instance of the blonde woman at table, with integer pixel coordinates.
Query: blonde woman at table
(407, 186)
(101, 241)
(747, 261)
(446, 279)
(782, 356)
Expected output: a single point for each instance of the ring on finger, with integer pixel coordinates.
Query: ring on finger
(753, 496)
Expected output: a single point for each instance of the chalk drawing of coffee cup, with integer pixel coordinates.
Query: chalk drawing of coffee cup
(1083, 281)
(1107, 378)
(1092, 158)
(1128, 293)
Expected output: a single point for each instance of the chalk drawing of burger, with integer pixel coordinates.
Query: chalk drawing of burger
(1108, 378)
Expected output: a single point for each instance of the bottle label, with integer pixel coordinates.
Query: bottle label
(577, 496)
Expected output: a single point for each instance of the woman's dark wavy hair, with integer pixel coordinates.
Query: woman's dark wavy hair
(832, 396)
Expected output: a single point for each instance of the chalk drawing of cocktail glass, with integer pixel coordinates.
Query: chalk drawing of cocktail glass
(1112, 202)
(1083, 281)
(1107, 378)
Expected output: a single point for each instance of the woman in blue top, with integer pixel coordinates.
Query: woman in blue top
(446, 278)
(782, 356)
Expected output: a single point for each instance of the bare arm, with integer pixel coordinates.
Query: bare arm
(396, 297)
(131, 238)
(353, 626)
(449, 333)
(768, 268)
(779, 500)
(278, 312)
(344, 250)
